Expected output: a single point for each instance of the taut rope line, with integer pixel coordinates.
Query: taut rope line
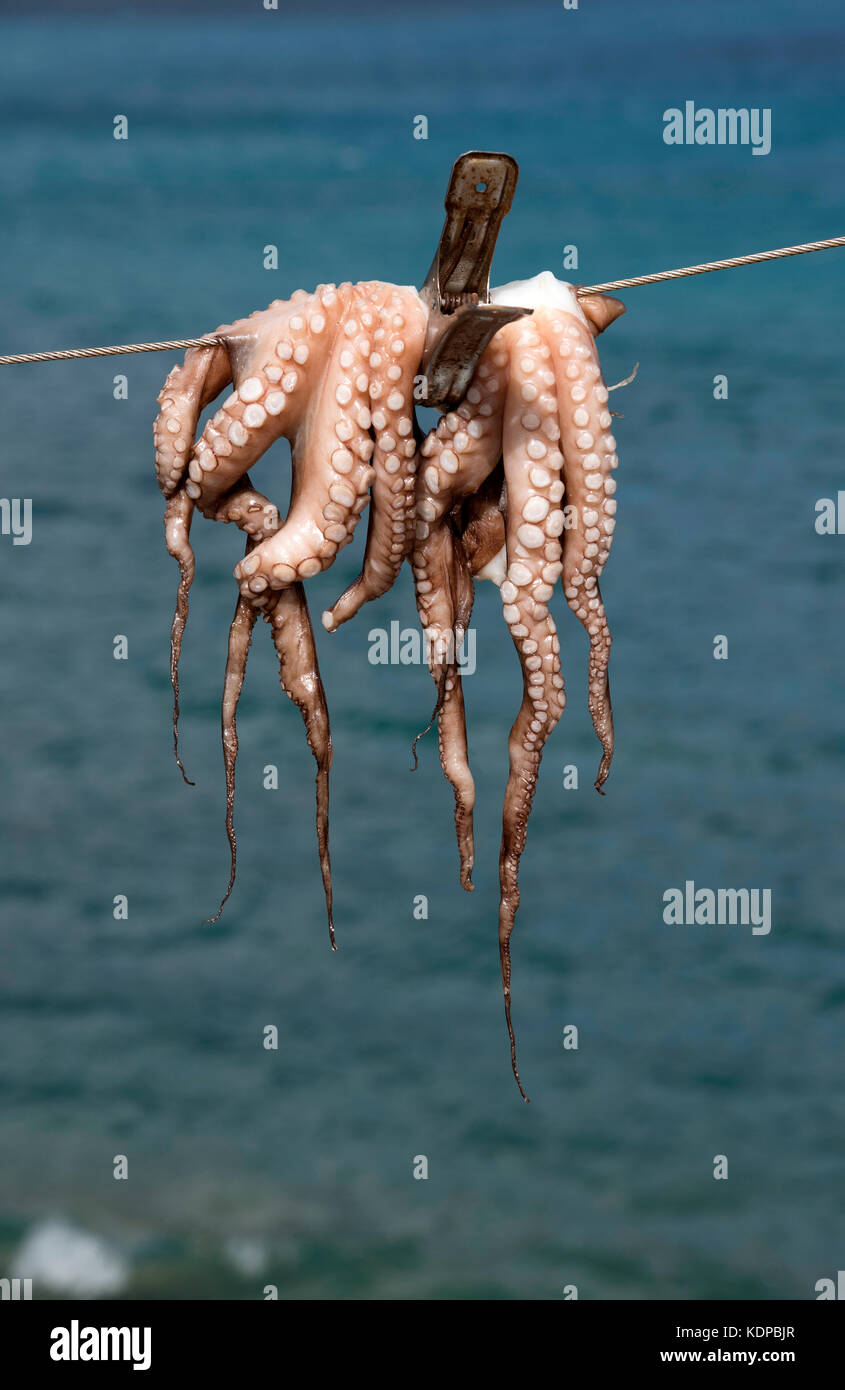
(176, 344)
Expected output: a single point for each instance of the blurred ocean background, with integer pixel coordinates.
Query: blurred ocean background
(144, 1037)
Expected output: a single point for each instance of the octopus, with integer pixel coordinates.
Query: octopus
(515, 485)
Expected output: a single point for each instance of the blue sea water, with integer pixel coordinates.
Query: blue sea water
(143, 1037)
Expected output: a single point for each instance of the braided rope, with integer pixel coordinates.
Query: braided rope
(66, 353)
(727, 264)
(209, 340)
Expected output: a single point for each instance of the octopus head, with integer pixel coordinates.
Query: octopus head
(545, 291)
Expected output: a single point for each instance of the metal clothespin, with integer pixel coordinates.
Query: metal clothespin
(457, 288)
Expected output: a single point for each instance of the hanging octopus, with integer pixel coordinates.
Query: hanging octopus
(515, 485)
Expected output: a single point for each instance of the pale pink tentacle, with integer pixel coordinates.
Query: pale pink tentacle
(589, 451)
(240, 639)
(278, 356)
(388, 347)
(331, 477)
(187, 391)
(178, 516)
(534, 525)
(456, 459)
(246, 508)
(293, 637)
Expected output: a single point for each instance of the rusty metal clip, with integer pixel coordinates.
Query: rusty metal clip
(457, 288)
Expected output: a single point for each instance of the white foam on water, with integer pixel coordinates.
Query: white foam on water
(64, 1258)
(247, 1256)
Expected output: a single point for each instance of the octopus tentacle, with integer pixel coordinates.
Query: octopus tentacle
(275, 356)
(390, 358)
(600, 311)
(185, 394)
(240, 639)
(293, 638)
(258, 517)
(447, 613)
(589, 460)
(457, 457)
(331, 478)
(248, 509)
(482, 527)
(178, 516)
(534, 526)
(451, 715)
(475, 552)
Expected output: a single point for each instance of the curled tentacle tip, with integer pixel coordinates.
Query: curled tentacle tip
(519, 1084)
(328, 620)
(420, 735)
(601, 778)
(185, 778)
(210, 921)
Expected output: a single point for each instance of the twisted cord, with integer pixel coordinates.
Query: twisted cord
(727, 264)
(66, 353)
(581, 290)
